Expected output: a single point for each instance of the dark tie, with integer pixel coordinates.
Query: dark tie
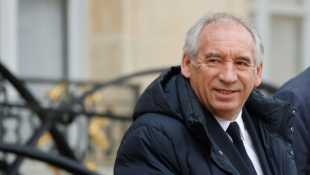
(233, 131)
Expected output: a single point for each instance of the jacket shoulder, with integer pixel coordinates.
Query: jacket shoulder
(166, 125)
(149, 139)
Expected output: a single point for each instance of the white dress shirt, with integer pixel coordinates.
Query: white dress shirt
(246, 140)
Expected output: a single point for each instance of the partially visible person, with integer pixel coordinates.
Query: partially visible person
(297, 92)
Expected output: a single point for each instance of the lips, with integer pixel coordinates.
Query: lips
(225, 91)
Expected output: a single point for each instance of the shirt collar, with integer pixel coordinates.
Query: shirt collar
(225, 123)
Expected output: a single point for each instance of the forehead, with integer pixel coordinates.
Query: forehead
(231, 34)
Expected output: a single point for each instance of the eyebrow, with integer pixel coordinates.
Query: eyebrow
(247, 59)
(212, 55)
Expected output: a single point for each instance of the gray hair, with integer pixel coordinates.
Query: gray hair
(192, 39)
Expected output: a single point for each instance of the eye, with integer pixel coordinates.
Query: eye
(213, 61)
(241, 63)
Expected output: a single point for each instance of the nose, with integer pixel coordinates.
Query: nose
(228, 74)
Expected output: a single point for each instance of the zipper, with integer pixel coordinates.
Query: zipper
(282, 130)
(285, 162)
(284, 121)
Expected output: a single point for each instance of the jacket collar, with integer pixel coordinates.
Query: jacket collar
(271, 111)
(256, 142)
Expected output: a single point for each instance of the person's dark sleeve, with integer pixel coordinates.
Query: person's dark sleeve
(146, 150)
(301, 144)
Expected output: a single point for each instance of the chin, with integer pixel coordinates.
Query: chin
(227, 111)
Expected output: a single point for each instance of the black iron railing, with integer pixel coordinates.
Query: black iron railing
(63, 114)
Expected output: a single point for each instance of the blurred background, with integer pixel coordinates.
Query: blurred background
(62, 49)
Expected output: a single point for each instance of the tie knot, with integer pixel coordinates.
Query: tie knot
(233, 130)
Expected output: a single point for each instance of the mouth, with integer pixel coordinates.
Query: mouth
(225, 91)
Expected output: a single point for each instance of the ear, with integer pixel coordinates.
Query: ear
(185, 66)
(258, 75)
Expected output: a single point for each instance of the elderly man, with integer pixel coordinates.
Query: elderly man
(206, 117)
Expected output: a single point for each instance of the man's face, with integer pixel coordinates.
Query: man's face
(224, 74)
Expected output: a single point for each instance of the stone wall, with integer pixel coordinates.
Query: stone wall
(126, 36)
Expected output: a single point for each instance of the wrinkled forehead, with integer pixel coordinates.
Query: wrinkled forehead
(231, 31)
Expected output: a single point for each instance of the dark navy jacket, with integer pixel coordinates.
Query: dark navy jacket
(173, 134)
(297, 92)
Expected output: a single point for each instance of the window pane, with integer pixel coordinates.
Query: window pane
(285, 48)
(40, 40)
(289, 1)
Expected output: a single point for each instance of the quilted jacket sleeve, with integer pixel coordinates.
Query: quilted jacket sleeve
(145, 150)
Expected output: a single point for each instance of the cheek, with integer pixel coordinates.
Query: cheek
(249, 81)
(199, 81)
